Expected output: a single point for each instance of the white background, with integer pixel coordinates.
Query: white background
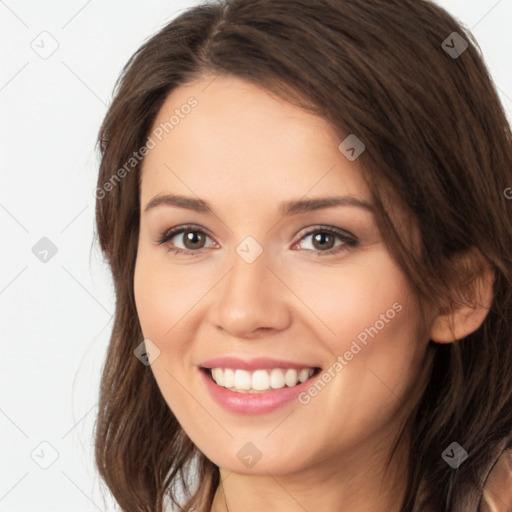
(57, 316)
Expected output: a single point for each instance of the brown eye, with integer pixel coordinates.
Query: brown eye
(186, 239)
(193, 239)
(326, 240)
(323, 241)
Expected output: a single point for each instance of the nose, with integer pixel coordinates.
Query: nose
(251, 300)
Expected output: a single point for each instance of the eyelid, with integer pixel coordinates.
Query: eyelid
(308, 230)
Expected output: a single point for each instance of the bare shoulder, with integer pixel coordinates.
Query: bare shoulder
(497, 494)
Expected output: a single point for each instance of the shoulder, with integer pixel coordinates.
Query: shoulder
(497, 493)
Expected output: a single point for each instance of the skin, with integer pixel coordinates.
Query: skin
(245, 151)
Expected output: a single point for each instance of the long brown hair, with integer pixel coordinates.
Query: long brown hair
(437, 142)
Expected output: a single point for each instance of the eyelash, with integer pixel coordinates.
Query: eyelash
(348, 239)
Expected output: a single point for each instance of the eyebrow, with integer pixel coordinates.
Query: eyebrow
(286, 208)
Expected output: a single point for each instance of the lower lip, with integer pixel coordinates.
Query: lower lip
(253, 403)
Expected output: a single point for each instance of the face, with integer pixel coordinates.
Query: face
(260, 263)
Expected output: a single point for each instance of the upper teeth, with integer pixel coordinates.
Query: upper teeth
(259, 380)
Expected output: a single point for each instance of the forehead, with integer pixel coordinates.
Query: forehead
(238, 134)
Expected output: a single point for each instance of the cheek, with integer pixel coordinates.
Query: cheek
(371, 325)
(364, 295)
(151, 300)
(163, 298)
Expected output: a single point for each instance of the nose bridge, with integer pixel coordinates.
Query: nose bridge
(250, 298)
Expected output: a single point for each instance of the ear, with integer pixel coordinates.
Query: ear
(474, 296)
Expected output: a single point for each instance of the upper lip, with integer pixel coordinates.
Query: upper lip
(259, 363)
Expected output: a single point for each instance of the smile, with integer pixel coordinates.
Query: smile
(259, 381)
(258, 386)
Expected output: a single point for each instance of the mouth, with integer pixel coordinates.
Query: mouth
(259, 381)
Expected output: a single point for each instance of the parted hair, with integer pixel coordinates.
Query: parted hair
(437, 144)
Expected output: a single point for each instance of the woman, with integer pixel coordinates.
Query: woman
(304, 208)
